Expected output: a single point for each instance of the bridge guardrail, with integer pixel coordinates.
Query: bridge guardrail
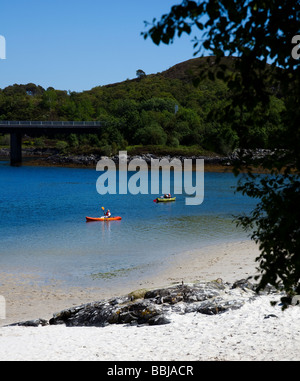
(51, 123)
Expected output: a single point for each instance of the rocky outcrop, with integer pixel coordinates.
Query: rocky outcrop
(52, 156)
(255, 156)
(31, 323)
(4, 152)
(154, 307)
(76, 160)
(92, 159)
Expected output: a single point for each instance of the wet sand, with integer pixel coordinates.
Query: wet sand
(28, 298)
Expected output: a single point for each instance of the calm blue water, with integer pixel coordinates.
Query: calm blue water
(43, 228)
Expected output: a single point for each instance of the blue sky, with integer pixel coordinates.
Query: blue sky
(79, 44)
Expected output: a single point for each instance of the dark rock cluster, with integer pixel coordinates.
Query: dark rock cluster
(54, 157)
(154, 307)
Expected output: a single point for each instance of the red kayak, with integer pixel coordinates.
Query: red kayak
(103, 218)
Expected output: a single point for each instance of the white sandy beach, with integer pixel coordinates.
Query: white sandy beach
(244, 334)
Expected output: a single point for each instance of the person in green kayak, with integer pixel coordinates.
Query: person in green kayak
(168, 195)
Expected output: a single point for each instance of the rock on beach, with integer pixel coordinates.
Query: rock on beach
(154, 307)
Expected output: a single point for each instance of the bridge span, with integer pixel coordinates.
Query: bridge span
(17, 129)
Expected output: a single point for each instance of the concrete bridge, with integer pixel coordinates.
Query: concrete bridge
(17, 129)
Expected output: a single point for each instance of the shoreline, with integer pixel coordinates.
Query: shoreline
(30, 161)
(208, 166)
(26, 299)
(52, 158)
(256, 331)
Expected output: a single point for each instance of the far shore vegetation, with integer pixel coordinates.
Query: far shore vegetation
(169, 113)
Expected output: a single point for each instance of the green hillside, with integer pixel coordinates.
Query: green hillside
(179, 110)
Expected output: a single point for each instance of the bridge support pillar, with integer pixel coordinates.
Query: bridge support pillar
(15, 148)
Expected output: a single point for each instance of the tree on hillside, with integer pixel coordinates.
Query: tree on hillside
(257, 33)
(140, 74)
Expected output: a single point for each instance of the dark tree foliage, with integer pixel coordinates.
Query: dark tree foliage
(257, 32)
(140, 73)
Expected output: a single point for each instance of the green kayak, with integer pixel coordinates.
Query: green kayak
(159, 199)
